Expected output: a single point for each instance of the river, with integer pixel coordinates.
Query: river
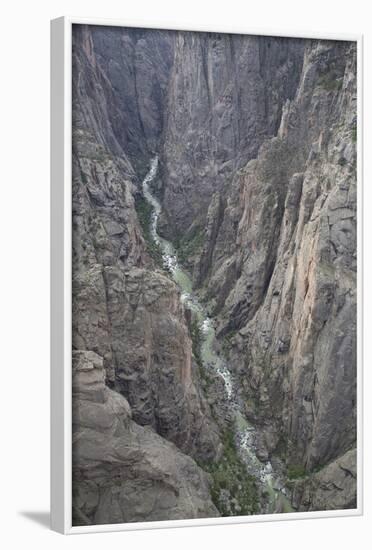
(212, 359)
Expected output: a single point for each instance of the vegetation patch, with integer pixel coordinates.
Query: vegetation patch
(296, 471)
(144, 213)
(196, 337)
(318, 468)
(330, 81)
(354, 134)
(234, 492)
(189, 245)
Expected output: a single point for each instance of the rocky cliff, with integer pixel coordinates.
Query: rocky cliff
(289, 280)
(277, 262)
(256, 138)
(125, 309)
(123, 472)
(226, 95)
(278, 265)
(121, 81)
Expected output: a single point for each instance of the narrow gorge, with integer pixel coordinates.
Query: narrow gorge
(214, 275)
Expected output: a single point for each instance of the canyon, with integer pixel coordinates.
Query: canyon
(214, 275)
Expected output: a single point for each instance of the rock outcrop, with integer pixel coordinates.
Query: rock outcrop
(120, 79)
(226, 95)
(282, 272)
(126, 309)
(123, 472)
(333, 488)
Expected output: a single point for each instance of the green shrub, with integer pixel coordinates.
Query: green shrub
(196, 337)
(317, 469)
(296, 471)
(329, 82)
(229, 474)
(144, 213)
(189, 245)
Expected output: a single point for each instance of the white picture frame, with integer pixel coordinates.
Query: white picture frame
(61, 287)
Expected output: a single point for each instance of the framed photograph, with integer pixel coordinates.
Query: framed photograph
(206, 276)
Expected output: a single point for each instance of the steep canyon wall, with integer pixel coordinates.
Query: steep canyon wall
(256, 138)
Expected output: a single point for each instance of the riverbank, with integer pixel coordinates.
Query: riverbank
(270, 486)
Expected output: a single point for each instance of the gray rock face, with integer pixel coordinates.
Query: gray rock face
(126, 72)
(333, 488)
(132, 315)
(225, 97)
(283, 268)
(256, 143)
(123, 472)
(154, 362)
(124, 309)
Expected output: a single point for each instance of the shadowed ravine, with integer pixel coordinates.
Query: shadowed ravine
(212, 360)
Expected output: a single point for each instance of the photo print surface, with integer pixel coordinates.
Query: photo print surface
(214, 275)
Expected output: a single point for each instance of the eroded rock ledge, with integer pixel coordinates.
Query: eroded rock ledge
(123, 472)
